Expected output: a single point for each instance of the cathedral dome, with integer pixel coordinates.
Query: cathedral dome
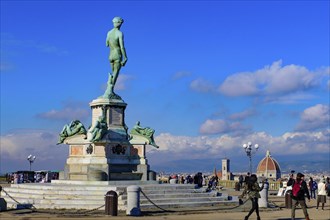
(268, 167)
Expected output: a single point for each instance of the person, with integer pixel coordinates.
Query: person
(246, 178)
(312, 187)
(321, 194)
(212, 185)
(117, 57)
(75, 127)
(252, 189)
(240, 180)
(299, 190)
(99, 129)
(328, 186)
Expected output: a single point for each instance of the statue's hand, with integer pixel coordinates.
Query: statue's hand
(123, 62)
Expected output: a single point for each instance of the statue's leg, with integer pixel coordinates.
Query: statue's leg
(109, 89)
(115, 71)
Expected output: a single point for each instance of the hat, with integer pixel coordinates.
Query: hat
(300, 175)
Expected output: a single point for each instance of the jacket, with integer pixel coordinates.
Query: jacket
(254, 193)
(303, 191)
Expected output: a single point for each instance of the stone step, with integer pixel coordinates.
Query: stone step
(181, 200)
(33, 189)
(188, 204)
(172, 195)
(49, 186)
(61, 206)
(68, 187)
(69, 196)
(91, 205)
(123, 208)
(17, 196)
(100, 195)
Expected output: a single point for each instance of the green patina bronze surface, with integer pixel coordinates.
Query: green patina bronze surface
(146, 132)
(98, 130)
(117, 57)
(75, 127)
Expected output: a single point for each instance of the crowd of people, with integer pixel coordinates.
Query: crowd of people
(300, 190)
(31, 177)
(317, 189)
(212, 181)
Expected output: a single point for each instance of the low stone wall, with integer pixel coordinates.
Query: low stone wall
(273, 185)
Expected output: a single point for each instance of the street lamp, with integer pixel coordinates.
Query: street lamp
(249, 152)
(31, 159)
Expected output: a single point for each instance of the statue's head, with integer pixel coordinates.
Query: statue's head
(117, 21)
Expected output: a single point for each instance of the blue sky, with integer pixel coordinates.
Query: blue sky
(208, 76)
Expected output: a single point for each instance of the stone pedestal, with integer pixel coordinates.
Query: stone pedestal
(114, 111)
(114, 157)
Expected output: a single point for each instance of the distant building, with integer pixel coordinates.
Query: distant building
(269, 168)
(225, 170)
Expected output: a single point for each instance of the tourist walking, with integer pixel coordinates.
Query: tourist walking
(321, 194)
(312, 187)
(328, 186)
(252, 189)
(299, 190)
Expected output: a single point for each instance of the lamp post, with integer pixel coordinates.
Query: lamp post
(31, 159)
(249, 152)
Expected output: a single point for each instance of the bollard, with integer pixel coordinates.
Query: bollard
(263, 202)
(151, 175)
(3, 203)
(111, 203)
(133, 201)
(288, 200)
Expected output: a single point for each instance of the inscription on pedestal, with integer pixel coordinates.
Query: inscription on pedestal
(116, 116)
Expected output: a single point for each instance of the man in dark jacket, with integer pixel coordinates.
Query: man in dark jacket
(299, 198)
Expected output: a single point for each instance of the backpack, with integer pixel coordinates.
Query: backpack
(296, 188)
(314, 185)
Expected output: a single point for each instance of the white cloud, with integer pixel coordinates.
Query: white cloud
(10, 40)
(314, 118)
(273, 80)
(242, 84)
(243, 115)
(201, 85)
(214, 127)
(290, 143)
(19, 144)
(220, 126)
(293, 98)
(70, 111)
(181, 74)
(121, 83)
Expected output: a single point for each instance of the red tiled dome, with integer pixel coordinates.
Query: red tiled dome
(269, 165)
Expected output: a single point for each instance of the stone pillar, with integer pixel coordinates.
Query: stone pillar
(133, 201)
(113, 109)
(263, 201)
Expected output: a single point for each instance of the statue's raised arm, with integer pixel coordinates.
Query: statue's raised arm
(117, 57)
